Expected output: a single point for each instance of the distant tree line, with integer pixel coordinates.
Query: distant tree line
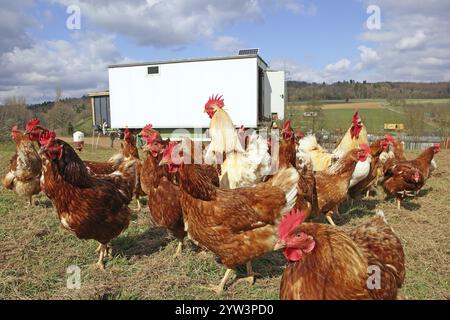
(63, 114)
(351, 89)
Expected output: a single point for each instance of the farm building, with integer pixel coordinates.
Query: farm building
(171, 94)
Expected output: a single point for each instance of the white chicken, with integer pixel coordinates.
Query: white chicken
(240, 168)
(362, 168)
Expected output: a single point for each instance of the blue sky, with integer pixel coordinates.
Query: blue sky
(307, 37)
(312, 40)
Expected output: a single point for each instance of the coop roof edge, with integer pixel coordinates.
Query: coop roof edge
(187, 60)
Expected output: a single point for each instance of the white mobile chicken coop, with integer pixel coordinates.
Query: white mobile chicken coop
(172, 94)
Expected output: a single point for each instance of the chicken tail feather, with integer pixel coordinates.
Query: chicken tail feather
(8, 181)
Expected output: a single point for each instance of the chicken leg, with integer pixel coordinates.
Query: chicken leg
(138, 204)
(179, 248)
(103, 250)
(219, 289)
(328, 217)
(398, 204)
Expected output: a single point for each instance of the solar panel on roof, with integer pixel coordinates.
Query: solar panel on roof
(244, 52)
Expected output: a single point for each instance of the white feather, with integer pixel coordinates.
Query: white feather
(258, 154)
(362, 170)
(287, 180)
(433, 165)
(309, 143)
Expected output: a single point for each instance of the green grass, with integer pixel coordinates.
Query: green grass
(35, 251)
(447, 101)
(374, 119)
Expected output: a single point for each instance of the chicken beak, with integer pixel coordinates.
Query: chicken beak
(280, 245)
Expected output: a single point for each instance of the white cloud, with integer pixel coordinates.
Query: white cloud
(173, 23)
(14, 24)
(295, 71)
(368, 55)
(168, 23)
(226, 44)
(299, 8)
(447, 76)
(432, 61)
(340, 66)
(413, 42)
(76, 66)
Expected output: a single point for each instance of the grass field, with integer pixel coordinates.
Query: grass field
(35, 251)
(338, 114)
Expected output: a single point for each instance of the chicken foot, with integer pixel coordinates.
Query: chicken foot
(250, 274)
(408, 193)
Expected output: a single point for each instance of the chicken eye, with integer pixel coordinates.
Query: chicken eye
(298, 235)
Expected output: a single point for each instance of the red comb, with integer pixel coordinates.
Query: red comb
(215, 101)
(300, 134)
(150, 138)
(287, 125)
(147, 127)
(355, 117)
(168, 151)
(14, 129)
(389, 138)
(47, 137)
(289, 222)
(32, 123)
(127, 131)
(364, 147)
(437, 147)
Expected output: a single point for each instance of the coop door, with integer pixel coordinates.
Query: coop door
(277, 92)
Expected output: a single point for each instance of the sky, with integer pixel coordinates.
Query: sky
(68, 44)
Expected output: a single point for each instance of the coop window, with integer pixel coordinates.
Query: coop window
(153, 70)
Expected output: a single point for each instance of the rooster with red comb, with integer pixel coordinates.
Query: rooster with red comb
(240, 167)
(356, 135)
